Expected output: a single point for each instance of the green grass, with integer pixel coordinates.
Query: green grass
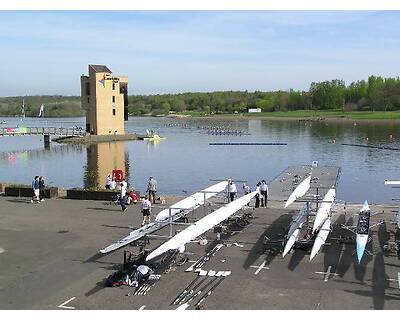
(194, 113)
(309, 114)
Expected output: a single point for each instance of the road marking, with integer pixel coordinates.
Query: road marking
(2, 250)
(142, 307)
(261, 266)
(192, 261)
(327, 274)
(63, 305)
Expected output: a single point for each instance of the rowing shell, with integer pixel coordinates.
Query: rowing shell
(176, 214)
(295, 228)
(192, 202)
(321, 237)
(201, 226)
(362, 230)
(300, 191)
(324, 209)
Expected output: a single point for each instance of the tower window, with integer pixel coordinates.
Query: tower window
(88, 99)
(113, 98)
(113, 112)
(113, 86)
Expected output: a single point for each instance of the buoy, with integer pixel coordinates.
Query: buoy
(334, 141)
(390, 136)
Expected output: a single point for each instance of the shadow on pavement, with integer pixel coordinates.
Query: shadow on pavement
(104, 209)
(333, 251)
(277, 229)
(115, 226)
(296, 258)
(21, 201)
(347, 257)
(383, 237)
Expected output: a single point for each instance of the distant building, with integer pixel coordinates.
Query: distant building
(254, 110)
(105, 98)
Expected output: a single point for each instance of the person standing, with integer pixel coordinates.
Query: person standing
(264, 193)
(232, 190)
(122, 194)
(257, 205)
(108, 182)
(41, 189)
(246, 189)
(152, 189)
(146, 210)
(113, 184)
(35, 189)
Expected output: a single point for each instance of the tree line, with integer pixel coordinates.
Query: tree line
(374, 94)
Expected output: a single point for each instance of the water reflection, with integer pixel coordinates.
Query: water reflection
(102, 159)
(185, 161)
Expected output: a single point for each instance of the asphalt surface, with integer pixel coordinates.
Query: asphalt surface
(49, 255)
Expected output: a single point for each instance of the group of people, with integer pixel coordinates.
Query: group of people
(38, 189)
(126, 198)
(261, 196)
(111, 184)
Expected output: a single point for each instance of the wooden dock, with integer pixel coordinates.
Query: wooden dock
(50, 131)
(322, 179)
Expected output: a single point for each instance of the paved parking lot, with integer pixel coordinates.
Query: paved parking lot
(49, 260)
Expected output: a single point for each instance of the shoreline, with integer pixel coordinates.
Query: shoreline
(317, 118)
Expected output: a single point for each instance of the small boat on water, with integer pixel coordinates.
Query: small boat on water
(154, 137)
(3, 122)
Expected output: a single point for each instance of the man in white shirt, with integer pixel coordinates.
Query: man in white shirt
(122, 194)
(232, 190)
(146, 210)
(113, 184)
(108, 182)
(264, 193)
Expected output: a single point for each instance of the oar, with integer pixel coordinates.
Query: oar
(201, 273)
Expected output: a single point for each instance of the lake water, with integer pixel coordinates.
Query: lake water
(185, 162)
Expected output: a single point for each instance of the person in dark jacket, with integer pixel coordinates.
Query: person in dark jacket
(258, 195)
(35, 189)
(41, 189)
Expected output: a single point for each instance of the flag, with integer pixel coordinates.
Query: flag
(41, 112)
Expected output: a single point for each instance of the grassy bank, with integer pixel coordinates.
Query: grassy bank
(309, 114)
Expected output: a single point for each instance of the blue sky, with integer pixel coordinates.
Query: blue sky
(45, 52)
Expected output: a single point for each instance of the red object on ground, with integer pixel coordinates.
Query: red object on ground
(134, 197)
(118, 175)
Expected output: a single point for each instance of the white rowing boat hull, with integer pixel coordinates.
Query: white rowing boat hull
(392, 182)
(294, 229)
(362, 239)
(162, 219)
(192, 202)
(321, 237)
(298, 219)
(300, 191)
(291, 241)
(324, 209)
(361, 243)
(135, 235)
(201, 226)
